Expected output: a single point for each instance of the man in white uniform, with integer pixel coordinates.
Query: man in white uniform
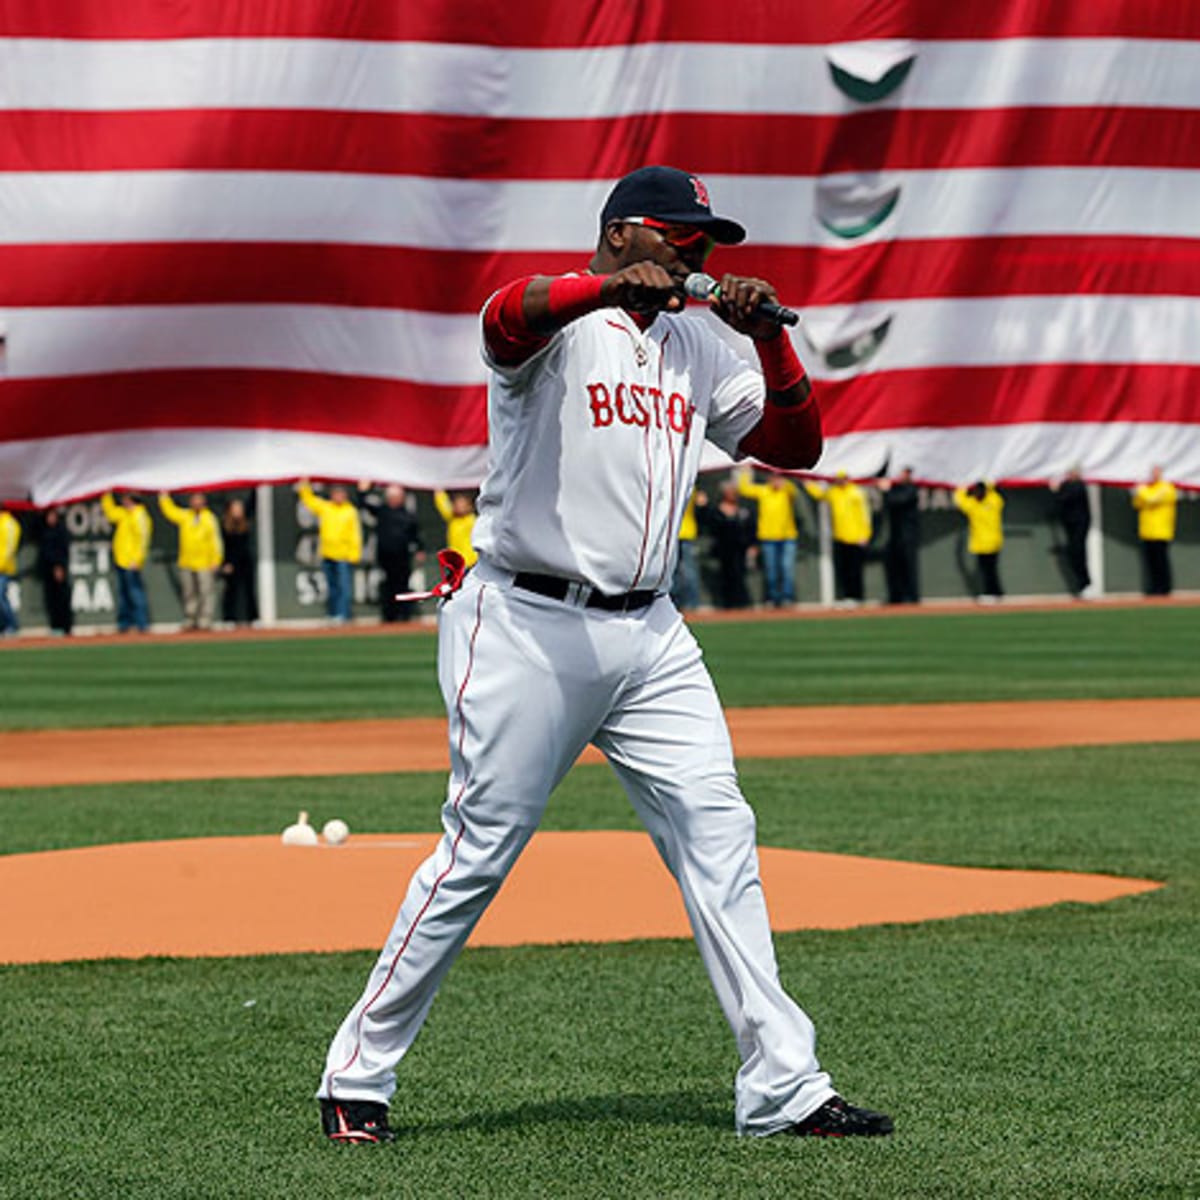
(601, 394)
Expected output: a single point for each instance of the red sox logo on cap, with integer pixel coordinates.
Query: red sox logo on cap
(671, 195)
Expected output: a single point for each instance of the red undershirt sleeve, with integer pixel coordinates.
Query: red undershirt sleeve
(509, 339)
(789, 438)
(506, 331)
(788, 435)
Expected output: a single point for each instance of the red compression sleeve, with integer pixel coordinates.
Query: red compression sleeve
(573, 296)
(509, 339)
(506, 330)
(789, 435)
(781, 366)
(786, 437)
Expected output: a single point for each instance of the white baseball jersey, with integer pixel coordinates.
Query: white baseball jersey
(595, 443)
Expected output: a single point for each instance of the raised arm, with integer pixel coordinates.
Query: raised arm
(525, 314)
(746, 485)
(309, 498)
(170, 509)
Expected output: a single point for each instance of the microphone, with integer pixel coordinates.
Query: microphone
(704, 287)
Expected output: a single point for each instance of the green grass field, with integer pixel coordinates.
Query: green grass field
(1050, 1053)
(907, 659)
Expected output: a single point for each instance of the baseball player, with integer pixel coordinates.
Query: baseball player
(601, 393)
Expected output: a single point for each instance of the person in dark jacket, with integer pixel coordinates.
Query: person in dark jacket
(397, 544)
(54, 570)
(730, 526)
(239, 602)
(1074, 513)
(901, 502)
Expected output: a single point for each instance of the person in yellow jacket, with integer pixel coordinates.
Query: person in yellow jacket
(1156, 502)
(340, 543)
(983, 507)
(10, 539)
(458, 512)
(201, 552)
(777, 533)
(685, 583)
(132, 527)
(850, 515)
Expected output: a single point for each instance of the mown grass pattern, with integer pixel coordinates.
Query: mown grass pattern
(1046, 1053)
(904, 659)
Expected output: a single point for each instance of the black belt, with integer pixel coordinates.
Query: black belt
(557, 588)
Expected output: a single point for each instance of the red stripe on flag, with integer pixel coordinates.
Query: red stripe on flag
(984, 266)
(434, 145)
(426, 415)
(420, 414)
(264, 273)
(553, 23)
(459, 281)
(942, 397)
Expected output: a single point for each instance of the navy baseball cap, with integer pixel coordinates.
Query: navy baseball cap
(671, 195)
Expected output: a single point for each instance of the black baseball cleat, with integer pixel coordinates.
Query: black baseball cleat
(348, 1121)
(835, 1118)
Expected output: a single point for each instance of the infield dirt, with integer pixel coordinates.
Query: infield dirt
(218, 896)
(72, 757)
(200, 897)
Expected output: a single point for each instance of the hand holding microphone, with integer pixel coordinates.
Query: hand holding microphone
(744, 304)
(642, 287)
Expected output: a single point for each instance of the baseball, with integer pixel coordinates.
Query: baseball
(300, 834)
(336, 831)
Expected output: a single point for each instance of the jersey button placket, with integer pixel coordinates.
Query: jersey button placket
(640, 343)
(664, 492)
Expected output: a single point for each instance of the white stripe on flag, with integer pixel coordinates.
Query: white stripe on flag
(1008, 331)
(610, 81)
(52, 470)
(152, 460)
(141, 206)
(1115, 452)
(432, 348)
(385, 343)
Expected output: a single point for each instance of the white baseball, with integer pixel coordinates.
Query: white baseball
(300, 834)
(336, 831)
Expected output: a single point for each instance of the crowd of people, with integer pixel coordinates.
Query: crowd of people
(747, 527)
(208, 548)
(399, 546)
(214, 551)
(752, 526)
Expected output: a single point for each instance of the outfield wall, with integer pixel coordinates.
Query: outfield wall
(292, 588)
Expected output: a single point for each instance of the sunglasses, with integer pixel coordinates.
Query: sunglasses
(682, 237)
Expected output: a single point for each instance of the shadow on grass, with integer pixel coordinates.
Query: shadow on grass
(708, 1109)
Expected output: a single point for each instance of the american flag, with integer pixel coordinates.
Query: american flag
(248, 239)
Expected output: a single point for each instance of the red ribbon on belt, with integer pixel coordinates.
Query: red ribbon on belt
(453, 567)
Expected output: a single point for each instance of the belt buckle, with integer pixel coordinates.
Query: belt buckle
(578, 594)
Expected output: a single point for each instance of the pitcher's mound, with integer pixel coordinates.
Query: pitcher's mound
(217, 896)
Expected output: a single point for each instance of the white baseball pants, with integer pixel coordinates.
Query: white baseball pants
(528, 682)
